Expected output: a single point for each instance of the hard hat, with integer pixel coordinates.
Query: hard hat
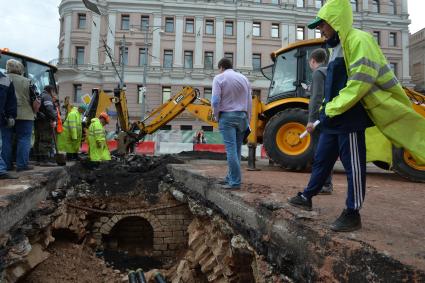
(105, 116)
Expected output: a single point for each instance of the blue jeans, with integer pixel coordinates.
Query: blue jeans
(3, 167)
(23, 131)
(232, 126)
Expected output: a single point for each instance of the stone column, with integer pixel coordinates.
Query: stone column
(240, 44)
(292, 30)
(67, 22)
(199, 27)
(248, 45)
(405, 60)
(178, 44)
(284, 34)
(156, 41)
(110, 38)
(365, 5)
(94, 40)
(404, 7)
(219, 30)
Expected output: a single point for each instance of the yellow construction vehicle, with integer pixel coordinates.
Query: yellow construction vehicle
(276, 123)
(130, 133)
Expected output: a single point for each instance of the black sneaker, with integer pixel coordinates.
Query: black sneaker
(347, 222)
(27, 168)
(326, 190)
(301, 201)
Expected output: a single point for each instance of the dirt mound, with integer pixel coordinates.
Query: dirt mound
(70, 262)
(135, 174)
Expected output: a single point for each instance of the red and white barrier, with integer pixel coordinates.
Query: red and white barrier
(158, 148)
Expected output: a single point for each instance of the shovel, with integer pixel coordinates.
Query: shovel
(59, 157)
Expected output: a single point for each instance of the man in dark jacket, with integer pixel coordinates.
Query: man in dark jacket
(45, 124)
(8, 111)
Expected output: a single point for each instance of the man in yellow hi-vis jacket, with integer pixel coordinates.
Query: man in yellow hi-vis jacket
(360, 88)
(98, 148)
(69, 140)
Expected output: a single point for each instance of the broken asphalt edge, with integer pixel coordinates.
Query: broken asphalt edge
(18, 204)
(293, 247)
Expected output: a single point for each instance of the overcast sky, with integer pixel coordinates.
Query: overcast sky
(31, 27)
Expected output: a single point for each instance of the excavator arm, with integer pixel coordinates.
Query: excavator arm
(184, 100)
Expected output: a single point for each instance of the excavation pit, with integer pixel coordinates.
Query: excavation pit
(98, 223)
(195, 231)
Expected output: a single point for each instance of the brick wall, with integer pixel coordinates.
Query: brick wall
(169, 226)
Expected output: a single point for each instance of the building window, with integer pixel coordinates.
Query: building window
(228, 28)
(81, 21)
(393, 67)
(168, 59)
(256, 92)
(169, 24)
(166, 128)
(375, 6)
(300, 33)
(141, 90)
(354, 5)
(188, 59)
(78, 93)
(142, 56)
(256, 62)
(392, 6)
(125, 22)
(208, 93)
(300, 3)
(79, 55)
(319, 4)
(257, 1)
(144, 23)
(275, 30)
(208, 60)
(209, 26)
(229, 55)
(185, 127)
(377, 36)
(166, 93)
(275, 1)
(189, 26)
(392, 39)
(124, 59)
(317, 33)
(256, 29)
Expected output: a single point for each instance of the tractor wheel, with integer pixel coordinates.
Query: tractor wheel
(282, 141)
(405, 166)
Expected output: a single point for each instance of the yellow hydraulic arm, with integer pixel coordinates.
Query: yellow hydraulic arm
(184, 100)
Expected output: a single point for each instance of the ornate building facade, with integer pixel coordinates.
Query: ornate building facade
(171, 43)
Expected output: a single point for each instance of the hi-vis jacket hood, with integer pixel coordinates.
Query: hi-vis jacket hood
(371, 81)
(98, 148)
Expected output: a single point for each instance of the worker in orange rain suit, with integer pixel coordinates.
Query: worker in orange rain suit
(69, 140)
(98, 148)
(372, 82)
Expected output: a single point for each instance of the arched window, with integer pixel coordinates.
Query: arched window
(375, 6)
(392, 7)
(354, 5)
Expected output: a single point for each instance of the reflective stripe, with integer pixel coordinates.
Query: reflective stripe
(367, 62)
(391, 83)
(377, 67)
(362, 77)
(385, 69)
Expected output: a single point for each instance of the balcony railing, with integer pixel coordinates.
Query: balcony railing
(72, 63)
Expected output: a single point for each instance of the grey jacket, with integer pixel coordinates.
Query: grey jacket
(317, 93)
(22, 89)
